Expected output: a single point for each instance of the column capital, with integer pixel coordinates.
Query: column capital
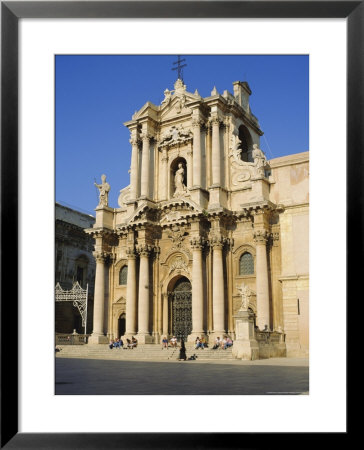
(134, 141)
(146, 137)
(130, 253)
(100, 257)
(144, 249)
(260, 236)
(197, 243)
(218, 242)
(197, 123)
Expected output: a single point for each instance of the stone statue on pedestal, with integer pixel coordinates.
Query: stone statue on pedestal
(259, 159)
(104, 189)
(246, 293)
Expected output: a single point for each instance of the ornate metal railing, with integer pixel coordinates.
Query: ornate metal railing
(78, 296)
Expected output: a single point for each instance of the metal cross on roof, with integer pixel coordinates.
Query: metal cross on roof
(179, 67)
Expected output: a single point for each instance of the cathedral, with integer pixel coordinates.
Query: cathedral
(207, 230)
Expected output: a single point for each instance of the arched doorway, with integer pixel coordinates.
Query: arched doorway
(181, 305)
(121, 325)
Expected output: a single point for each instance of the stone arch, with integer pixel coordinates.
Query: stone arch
(118, 309)
(238, 253)
(246, 144)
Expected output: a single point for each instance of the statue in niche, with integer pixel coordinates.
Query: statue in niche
(179, 181)
(259, 159)
(104, 189)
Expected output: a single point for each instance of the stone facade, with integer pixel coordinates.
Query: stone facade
(205, 218)
(74, 262)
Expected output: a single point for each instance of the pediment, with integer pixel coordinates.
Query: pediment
(147, 110)
(176, 210)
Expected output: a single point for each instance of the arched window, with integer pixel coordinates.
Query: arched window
(123, 275)
(246, 144)
(246, 264)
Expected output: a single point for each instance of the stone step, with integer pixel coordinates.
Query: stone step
(142, 352)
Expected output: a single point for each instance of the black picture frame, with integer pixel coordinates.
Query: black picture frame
(11, 12)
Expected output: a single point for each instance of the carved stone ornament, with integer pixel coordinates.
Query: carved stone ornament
(124, 196)
(176, 135)
(177, 236)
(242, 170)
(178, 265)
(260, 236)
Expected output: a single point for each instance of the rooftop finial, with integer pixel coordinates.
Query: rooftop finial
(179, 67)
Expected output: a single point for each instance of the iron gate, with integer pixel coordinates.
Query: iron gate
(182, 309)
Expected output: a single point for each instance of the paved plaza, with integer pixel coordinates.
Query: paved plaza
(277, 376)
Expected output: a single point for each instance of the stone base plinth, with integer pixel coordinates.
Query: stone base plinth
(245, 345)
(98, 339)
(248, 349)
(145, 338)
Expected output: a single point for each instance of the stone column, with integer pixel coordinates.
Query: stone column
(189, 166)
(131, 300)
(134, 168)
(145, 166)
(98, 336)
(163, 181)
(197, 160)
(218, 306)
(143, 310)
(262, 285)
(165, 314)
(197, 289)
(216, 154)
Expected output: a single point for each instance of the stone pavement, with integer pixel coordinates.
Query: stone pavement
(276, 376)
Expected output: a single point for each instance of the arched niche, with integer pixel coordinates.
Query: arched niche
(172, 173)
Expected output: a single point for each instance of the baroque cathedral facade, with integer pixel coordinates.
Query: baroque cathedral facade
(207, 227)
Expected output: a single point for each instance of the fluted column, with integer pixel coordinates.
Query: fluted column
(144, 188)
(218, 304)
(262, 284)
(99, 300)
(197, 159)
(143, 307)
(164, 175)
(165, 314)
(131, 300)
(215, 153)
(134, 168)
(197, 289)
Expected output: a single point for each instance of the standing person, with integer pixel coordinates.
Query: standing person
(182, 351)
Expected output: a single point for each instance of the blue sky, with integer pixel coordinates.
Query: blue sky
(96, 94)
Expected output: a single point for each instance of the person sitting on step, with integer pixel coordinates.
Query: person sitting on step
(203, 342)
(228, 343)
(217, 343)
(134, 342)
(164, 342)
(197, 343)
(129, 344)
(111, 344)
(173, 341)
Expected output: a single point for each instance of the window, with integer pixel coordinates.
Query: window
(123, 275)
(246, 264)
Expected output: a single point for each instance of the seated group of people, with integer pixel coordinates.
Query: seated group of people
(200, 342)
(223, 343)
(118, 343)
(172, 342)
